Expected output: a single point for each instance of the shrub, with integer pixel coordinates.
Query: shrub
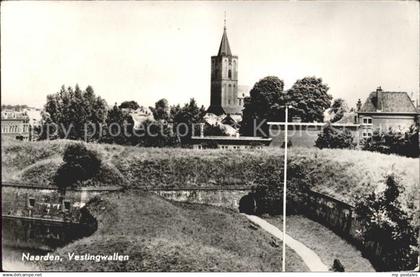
(209, 145)
(387, 226)
(269, 190)
(395, 142)
(289, 144)
(334, 138)
(80, 164)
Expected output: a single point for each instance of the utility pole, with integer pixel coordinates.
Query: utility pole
(284, 189)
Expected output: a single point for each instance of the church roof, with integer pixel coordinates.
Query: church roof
(389, 101)
(224, 49)
(219, 110)
(232, 109)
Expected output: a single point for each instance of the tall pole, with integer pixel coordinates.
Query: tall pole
(284, 190)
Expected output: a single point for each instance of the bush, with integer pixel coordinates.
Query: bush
(80, 164)
(333, 138)
(209, 145)
(289, 144)
(337, 266)
(387, 226)
(269, 190)
(394, 142)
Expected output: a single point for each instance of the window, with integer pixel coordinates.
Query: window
(31, 202)
(367, 120)
(366, 134)
(230, 74)
(66, 205)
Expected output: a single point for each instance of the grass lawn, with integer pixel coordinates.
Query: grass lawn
(342, 174)
(160, 235)
(324, 242)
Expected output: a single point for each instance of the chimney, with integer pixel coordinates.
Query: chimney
(379, 99)
(359, 104)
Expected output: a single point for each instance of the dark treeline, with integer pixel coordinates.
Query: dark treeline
(78, 114)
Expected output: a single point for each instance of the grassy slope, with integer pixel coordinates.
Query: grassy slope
(313, 235)
(158, 232)
(159, 235)
(342, 174)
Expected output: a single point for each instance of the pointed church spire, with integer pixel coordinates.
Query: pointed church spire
(224, 28)
(224, 49)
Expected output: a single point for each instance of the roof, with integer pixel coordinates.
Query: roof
(390, 102)
(348, 118)
(221, 121)
(216, 109)
(232, 109)
(140, 115)
(13, 115)
(219, 110)
(224, 49)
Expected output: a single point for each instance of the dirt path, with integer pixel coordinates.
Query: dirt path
(309, 257)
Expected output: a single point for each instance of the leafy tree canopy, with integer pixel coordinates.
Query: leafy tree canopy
(119, 127)
(387, 224)
(185, 120)
(338, 108)
(72, 110)
(266, 103)
(80, 164)
(309, 99)
(394, 142)
(331, 137)
(161, 110)
(133, 105)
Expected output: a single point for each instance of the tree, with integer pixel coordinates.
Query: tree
(394, 142)
(119, 127)
(161, 110)
(80, 164)
(266, 103)
(268, 192)
(157, 134)
(386, 224)
(331, 137)
(186, 120)
(214, 130)
(74, 114)
(309, 99)
(338, 108)
(132, 105)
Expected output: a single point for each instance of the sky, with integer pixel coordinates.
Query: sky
(145, 51)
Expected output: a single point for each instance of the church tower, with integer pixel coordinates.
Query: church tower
(224, 80)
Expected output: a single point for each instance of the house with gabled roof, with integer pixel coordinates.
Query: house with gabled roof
(383, 110)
